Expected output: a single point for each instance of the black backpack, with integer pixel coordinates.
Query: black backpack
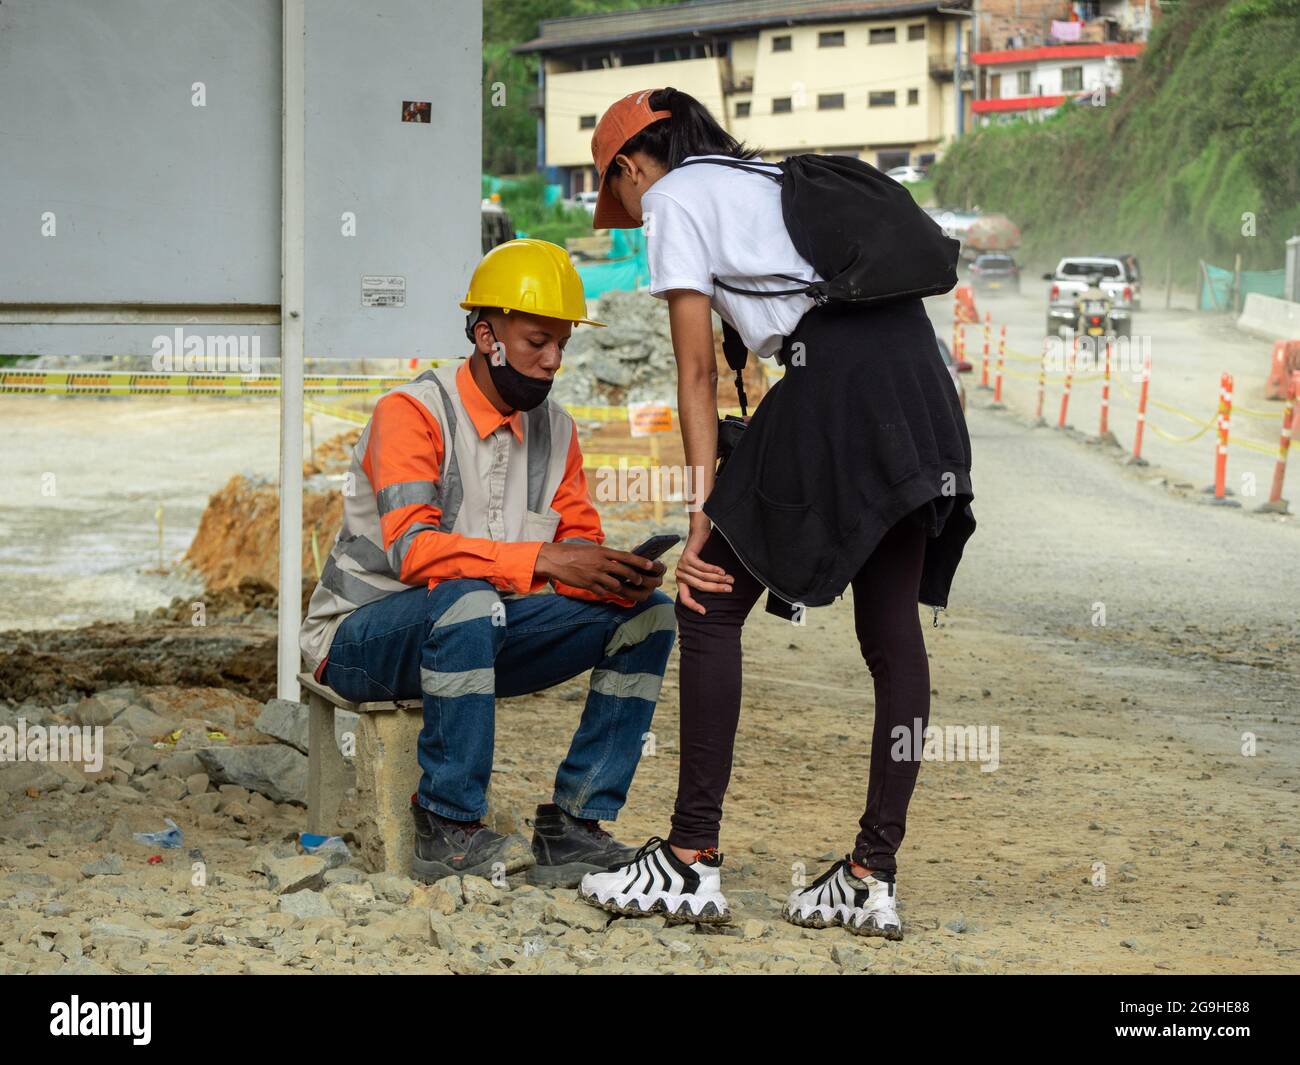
(859, 229)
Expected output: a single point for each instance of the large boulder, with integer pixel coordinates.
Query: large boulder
(272, 769)
(288, 722)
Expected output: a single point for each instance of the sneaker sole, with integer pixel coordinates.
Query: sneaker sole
(816, 920)
(683, 914)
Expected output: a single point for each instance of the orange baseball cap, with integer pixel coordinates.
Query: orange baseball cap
(619, 124)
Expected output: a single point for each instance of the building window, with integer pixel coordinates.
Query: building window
(1071, 79)
(1024, 85)
(916, 31)
(831, 39)
(887, 35)
(830, 101)
(781, 105)
(881, 99)
(781, 43)
(636, 57)
(742, 109)
(587, 122)
(913, 96)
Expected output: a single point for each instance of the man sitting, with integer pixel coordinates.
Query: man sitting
(466, 501)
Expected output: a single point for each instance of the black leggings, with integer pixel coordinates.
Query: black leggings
(889, 633)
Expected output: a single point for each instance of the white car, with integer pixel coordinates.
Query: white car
(587, 200)
(906, 175)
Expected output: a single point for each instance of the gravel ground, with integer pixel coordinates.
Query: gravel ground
(1129, 642)
(1122, 830)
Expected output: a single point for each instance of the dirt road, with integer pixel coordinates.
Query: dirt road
(1189, 351)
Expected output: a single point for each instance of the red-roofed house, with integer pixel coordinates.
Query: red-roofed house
(1027, 82)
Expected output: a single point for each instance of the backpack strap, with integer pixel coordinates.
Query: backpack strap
(811, 289)
(741, 164)
(736, 354)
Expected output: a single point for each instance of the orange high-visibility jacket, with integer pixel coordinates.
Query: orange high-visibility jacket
(442, 485)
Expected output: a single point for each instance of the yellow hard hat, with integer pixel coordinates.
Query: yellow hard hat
(533, 276)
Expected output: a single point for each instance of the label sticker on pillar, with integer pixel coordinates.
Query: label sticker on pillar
(416, 111)
(383, 290)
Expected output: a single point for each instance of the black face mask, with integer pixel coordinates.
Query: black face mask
(518, 390)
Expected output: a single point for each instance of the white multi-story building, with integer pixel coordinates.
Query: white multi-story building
(884, 80)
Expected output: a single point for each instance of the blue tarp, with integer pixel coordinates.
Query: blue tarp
(626, 270)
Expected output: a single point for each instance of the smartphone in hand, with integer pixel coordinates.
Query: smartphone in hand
(655, 546)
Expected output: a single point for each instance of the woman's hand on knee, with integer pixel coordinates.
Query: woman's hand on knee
(694, 574)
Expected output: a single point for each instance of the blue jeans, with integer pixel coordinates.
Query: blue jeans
(460, 645)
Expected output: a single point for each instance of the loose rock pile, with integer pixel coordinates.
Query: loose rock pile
(79, 894)
(628, 361)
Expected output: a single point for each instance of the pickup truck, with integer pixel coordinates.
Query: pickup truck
(1071, 277)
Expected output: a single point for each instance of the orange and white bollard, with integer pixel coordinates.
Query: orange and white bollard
(1136, 458)
(1104, 435)
(997, 380)
(1069, 379)
(1290, 423)
(984, 365)
(1042, 387)
(1220, 487)
(1103, 428)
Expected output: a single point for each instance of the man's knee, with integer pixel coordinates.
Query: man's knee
(458, 602)
(651, 628)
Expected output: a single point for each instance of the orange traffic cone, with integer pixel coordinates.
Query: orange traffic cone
(1286, 361)
(966, 305)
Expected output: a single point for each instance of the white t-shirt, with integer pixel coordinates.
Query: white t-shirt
(708, 221)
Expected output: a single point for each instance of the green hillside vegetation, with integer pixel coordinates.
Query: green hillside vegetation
(1203, 142)
(510, 130)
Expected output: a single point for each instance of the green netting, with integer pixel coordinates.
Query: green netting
(1216, 286)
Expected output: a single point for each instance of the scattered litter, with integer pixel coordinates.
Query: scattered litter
(216, 734)
(169, 838)
(155, 859)
(314, 844)
(170, 740)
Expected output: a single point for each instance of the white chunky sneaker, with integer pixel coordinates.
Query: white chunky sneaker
(657, 881)
(865, 907)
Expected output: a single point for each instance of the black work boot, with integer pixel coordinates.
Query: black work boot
(566, 848)
(463, 848)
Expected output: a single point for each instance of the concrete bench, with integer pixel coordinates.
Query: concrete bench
(387, 771)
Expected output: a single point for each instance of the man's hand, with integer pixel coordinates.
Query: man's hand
(600, 569)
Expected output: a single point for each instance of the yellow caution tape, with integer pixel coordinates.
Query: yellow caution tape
(1250, 445)
(598, 414)
(356, 417)
(1271, 415)
(1179, 439)
(1018, 356)
(121, 383)
(594, 460)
